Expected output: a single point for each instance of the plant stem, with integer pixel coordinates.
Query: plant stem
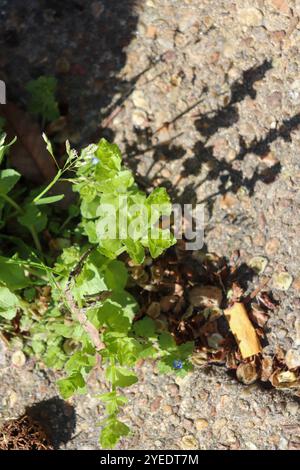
(11, 202)
(35, 239)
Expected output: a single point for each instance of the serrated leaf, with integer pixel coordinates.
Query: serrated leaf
(70, 385)
(112, 432)
(109, 155)
(116, 276)
(42, 98)
(118, 311)
(167, 342)
(120, 376)
(80, 361)
(145, 328)
(135, 250)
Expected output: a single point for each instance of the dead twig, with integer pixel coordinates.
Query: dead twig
(79, 313)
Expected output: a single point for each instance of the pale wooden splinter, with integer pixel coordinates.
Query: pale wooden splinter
(243, 330)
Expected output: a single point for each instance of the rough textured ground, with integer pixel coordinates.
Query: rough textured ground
(208, 94)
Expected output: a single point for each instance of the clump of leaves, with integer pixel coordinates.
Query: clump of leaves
(73, 310)
(42, 101)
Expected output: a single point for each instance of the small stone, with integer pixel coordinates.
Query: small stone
(13, 398)
(139, 118)
(206, 296)
(292, 408)
(187, 424)
(282, 281)
(151, 32)
(167, 409)
(228, 201)
(230, 155)
(281, 5)
(173, 390)
(272, 246)
(153, 311)
(201, 424)
(138, 98)
(219, 424)
(189, 442)
(292, 358)
(250, 17)
(18, 359)
(250, 445)
(274, 100)
(215, 341)
(258, 264)
(155, 405)
(296, 283)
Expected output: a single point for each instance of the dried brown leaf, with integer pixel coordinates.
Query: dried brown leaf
(258, 315)
(29, 154)
(266, 368)
(247, 373)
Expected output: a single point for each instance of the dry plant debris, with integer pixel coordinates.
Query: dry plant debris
(202, 297)
(23, 434)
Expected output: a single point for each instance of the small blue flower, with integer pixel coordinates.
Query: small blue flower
(177, 364)
(95, 160)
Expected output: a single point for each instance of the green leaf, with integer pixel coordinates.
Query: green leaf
(49, 199)
(80, 361)
(89, 227)
(89, 208)
(12, 275)
(112, 433)
(112, 396)
(33, 217)
(162, 239)
(145, 328)
(42, 98)
(118, 311)
(109, 155)
(116, 276)
(135, 250)
(126, 349)
(167, 342)
(9, 303)
(63, 330)
(120, 376)
(109, 247)
(8, 179)
(158, 203)
(70, 385)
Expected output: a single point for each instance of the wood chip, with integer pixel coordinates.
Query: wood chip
(243, 330)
